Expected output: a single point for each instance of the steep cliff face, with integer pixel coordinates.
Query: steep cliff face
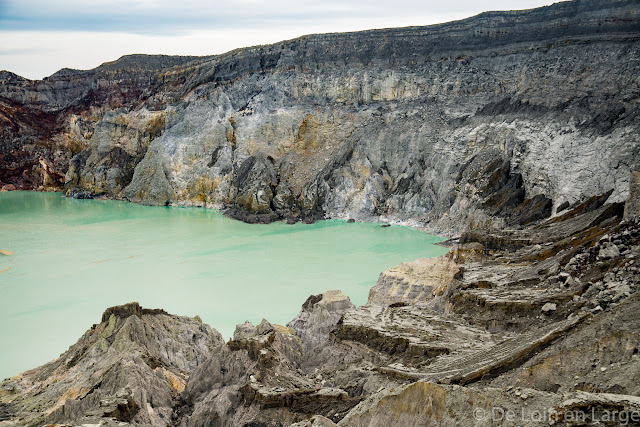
(455, 124)
(45, 123)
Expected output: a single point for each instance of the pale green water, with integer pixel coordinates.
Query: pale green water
(74, 258)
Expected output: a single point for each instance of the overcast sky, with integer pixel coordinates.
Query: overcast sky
(38, 37)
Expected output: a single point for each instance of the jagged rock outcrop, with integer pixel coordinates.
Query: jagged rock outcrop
(319, 316)
(256, 379)
(129, 368)
(493, 120)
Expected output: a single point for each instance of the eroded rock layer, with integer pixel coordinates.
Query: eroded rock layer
(500, 118)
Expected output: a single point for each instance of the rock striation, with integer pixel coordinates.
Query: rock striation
(515, 132)
(130, 368)
(413, 282)
(497, 119)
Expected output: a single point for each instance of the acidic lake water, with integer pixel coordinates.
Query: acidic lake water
(74, 258)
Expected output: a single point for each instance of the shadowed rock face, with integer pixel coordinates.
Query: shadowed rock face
(541, 104)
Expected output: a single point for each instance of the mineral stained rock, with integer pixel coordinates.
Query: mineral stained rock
(517, 133)
(493, 120)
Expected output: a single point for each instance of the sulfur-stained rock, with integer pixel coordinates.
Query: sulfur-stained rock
(448, 125)
(119, 142)
(53, 119)
(150, 185)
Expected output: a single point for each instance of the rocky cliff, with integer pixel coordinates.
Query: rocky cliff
(45, 123)
(395, 123)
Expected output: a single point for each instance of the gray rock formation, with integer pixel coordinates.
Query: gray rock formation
(496, 119)
(129, 368)
(518, 129)
(318, 317)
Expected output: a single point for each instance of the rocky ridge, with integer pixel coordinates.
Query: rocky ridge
(394, 124)
(131, 366)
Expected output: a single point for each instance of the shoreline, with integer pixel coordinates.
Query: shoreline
(358, 300)
(410, 223)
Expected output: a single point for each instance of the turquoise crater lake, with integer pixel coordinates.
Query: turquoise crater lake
(74, 258)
